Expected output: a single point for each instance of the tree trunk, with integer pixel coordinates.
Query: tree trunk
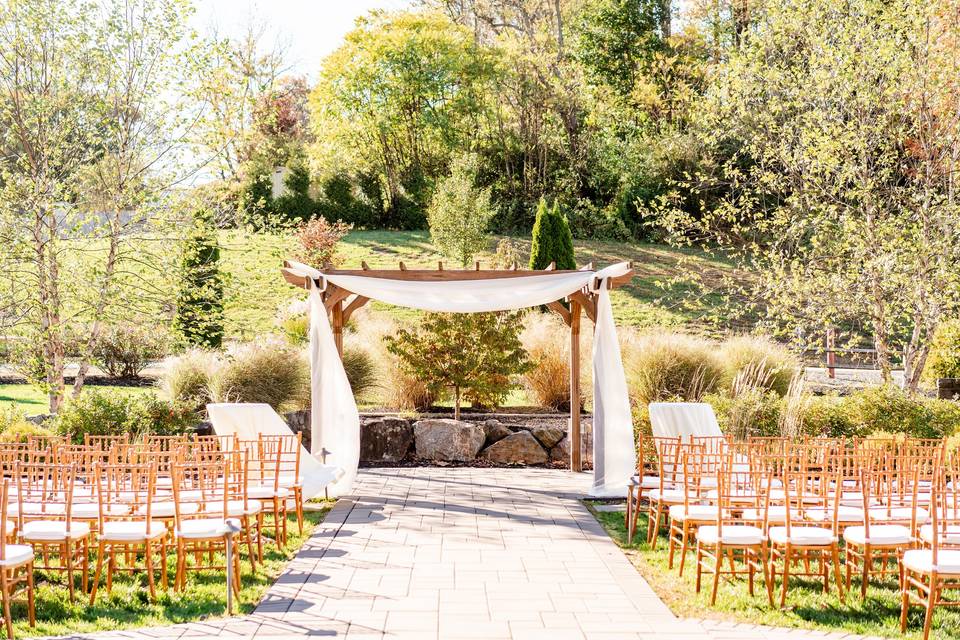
(456, 402)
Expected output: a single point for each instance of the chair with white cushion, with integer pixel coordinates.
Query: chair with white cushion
(263, 477)
(929, 573)
(202, 495)
(45, 494)
(134, 533)
(668, 492)
(16, 568)
(729, 537)
(700, 470)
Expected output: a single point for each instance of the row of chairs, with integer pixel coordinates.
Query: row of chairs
(773, 507)
(130, 502)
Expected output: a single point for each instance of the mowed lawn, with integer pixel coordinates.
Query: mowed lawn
(32, 400)
(807, 606)
(256, 290)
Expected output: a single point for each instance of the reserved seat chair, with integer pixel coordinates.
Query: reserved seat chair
(16, 568)
(700, 471)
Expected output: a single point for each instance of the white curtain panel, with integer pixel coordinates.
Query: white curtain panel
(672, 419)
(246, 420)
(336, 423)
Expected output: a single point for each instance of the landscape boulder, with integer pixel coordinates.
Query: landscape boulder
(561, 451)
(447, 440)
(548, 436)
(385, 439)
(518, 448)
(495, 431)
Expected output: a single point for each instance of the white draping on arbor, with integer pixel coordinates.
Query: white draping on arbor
(335, 422)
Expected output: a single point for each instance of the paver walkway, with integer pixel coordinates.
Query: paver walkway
(449, 553)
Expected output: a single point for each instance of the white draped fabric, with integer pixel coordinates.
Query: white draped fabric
(246, 420)
(672, 419)
(335, 422)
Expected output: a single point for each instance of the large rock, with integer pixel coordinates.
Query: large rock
(495, 431)
(548, 436)
(448, 440)
(519, 448)
(385, 440)
(561, 451)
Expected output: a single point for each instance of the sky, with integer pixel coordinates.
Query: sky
(311, 29)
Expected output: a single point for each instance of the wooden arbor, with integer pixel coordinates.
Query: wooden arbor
(341, 304)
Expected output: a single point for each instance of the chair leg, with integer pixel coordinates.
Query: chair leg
(5, 591)
(85, 564)
(699, 557)
(716, 574)
(298, 503)
(835, 556)
(767, 573)
(163, 562)
(68, 548)
(31, 603)
(904, 602)
(865, 577)
(96, 574)
(931, 603)
(245, 521)
(684, 547)
(148, 561)
(787, 557)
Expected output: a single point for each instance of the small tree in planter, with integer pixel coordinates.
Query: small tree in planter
(473, 354)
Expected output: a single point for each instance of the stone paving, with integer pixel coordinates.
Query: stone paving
(457, 553)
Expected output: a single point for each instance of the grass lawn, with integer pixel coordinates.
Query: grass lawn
(808, 606)
(129, 606)
(32, 400)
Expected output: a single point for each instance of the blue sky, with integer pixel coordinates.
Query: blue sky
(310, 28)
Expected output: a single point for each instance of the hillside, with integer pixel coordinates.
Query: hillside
(255, 289)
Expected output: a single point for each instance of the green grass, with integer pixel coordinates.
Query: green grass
(129, 606)
(255, 289)
(33, 400)
(808, 606)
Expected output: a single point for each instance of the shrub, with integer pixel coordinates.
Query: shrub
(268, 371)
(547, 341)
(14, 427)
(199, 316)
(123, 351)
(670, 366)
(944, 358)
(294, 323)
(753, 413)
(552, 240)
(459, 212)
(100, 412)
(758, 361)
(318, 241)
(186, 380)
(360, 369)
(890, 409)
(472, 354)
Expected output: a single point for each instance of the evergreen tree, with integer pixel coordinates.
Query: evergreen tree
(199, 316)
(564, 243)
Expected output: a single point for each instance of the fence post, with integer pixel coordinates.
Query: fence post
(831, 356)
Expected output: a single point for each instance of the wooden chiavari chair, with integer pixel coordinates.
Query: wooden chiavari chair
(647, 478)
(700, 472)
(132, 486)
(46, 522)
(669, 469)
(263, 477)
(928, 573)
(740, 487)
(16, 568)
(808, 474)
(287, 448)
(202, 493)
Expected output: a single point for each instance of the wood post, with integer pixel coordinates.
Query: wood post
(576, 463)
(338, 326)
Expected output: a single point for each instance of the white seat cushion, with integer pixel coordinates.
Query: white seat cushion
(802, 536)
(694, 512)
(167, 509)
(897, 514)
(737, 495)
(646, 482)
(951, 536)
(16, 554)
(132, 531)
(921, 560)
(845, 513)
(776, 513)
(880, 534)
(203, 528)
(739, 534)
(91, 510)
(267, 493)
(53, 530)
(291, 481)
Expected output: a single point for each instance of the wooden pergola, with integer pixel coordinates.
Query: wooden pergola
(340, 305)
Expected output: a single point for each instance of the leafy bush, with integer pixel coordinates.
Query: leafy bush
(199, 318)
(123, 351)
(828, 416)
(99, 412)
(460, 212)
(14, 427)
(758, 362)
(753, 413)
(360, 369)
(186, 380)
(472, 354)
(268, 371)
(944, 358)
(671, 366)
(318, 241)
(552, 240)
(890, 409)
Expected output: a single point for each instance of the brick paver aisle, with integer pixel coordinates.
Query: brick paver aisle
(443, 553)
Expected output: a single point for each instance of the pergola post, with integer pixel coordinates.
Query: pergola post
(337, 313)
(576, 463)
